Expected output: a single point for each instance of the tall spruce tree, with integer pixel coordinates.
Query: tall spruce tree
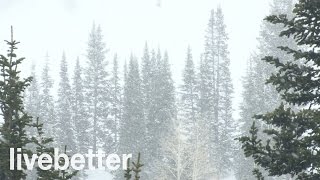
(97, 86)
(116, 103)
(189, 95)
(292, 144)
(147, 76)
(215, 95)
(207, 82)
(259, 97)
(79, 113)
(159, 108)
(195, 128)
(42, 146)
(47, 111)
(64, 125)
(243, 165)
(164, 110)
(132, 128)
(32, 107)
(32, 98)
(13, 129)
(224, 90)
(15, 120)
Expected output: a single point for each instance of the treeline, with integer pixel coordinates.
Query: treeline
(180, 131)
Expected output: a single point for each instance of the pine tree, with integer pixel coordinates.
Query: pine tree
(158, 105)
(291, 147)
(42, 143)
(146, 84)
(17, 123)
(195, 127)
(127, 174)
(137, 168)
(163, 107)
(32, 107)
(15, 119)
(189, 94)
(32, 103)
(79, 113)
(116, 109)
(215, 95)
(147, 76)
(259, 97)
(47, 112)
(64, 125)
(97, 86)
(207, 82)
(224, 90)
(244, 165)
(132, 128)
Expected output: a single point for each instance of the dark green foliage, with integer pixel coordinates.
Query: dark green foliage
(15, 119)
(257, 96)
(43, 147)
(13, 131)
(127, 174)
(258, 174)
(136, 169)
(293, 142)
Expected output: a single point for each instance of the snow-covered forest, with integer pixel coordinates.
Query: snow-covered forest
(188, 119)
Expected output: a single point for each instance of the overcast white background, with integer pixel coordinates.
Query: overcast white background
(55, 26)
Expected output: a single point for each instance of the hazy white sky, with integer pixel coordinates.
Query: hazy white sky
(55, 26)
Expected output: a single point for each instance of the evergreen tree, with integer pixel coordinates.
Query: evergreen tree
(215, 95)
(79, 113)
(163, 108)
(207, 82)
(244, 165)
(42, 143)
(159, 106)
(195, 127)
(147, 76)
(259, 97)
(146, 84)
(291, 147)
(137, 168)
(64, 125)
(189, 94)
(32, 106)
(15, 119)
(47, 112)
(132, 128)
(223, 107)
(32, 103)
(32, 98)
(115, 112)
(97, 87)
